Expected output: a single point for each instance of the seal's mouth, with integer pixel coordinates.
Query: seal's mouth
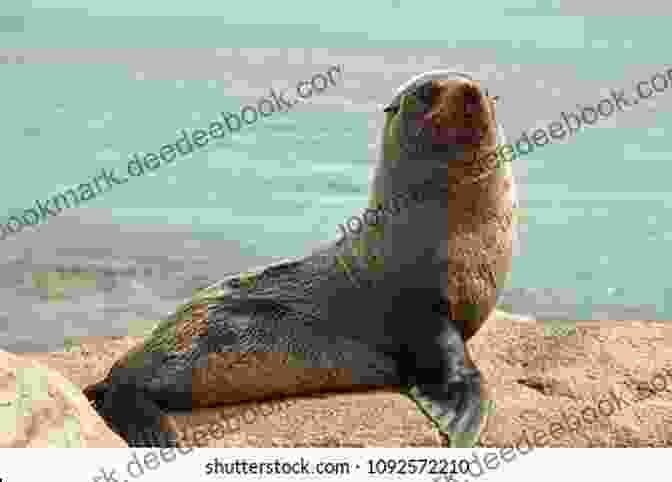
(460, 113)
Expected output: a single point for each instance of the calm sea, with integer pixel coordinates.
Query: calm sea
(83, 87)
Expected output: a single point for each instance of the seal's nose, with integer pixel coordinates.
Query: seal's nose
(459, 114)
(471, 99)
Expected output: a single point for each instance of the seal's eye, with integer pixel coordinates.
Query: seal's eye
(425, 93)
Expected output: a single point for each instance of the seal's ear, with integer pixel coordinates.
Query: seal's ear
(494, 98)
(390, 139)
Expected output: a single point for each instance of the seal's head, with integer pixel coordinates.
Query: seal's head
(441, 117)
(440, 128)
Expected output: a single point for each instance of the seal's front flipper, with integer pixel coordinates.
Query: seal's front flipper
(456, 414)
(442, 412)
(446, 391)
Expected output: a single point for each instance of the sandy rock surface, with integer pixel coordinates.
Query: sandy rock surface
(551, 388)
(40, 408)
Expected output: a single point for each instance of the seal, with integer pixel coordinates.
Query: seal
(333, 320)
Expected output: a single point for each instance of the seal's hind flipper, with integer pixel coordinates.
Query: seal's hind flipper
(133, 415)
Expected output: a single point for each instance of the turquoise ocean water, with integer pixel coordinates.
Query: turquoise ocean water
(86, 84)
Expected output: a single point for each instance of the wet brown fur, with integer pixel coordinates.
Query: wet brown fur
(233, 377)
(481, 210)
(480, 218)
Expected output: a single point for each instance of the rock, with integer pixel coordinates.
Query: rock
(542, 383)
(39, 408)
(378, 418)
(543, 375)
